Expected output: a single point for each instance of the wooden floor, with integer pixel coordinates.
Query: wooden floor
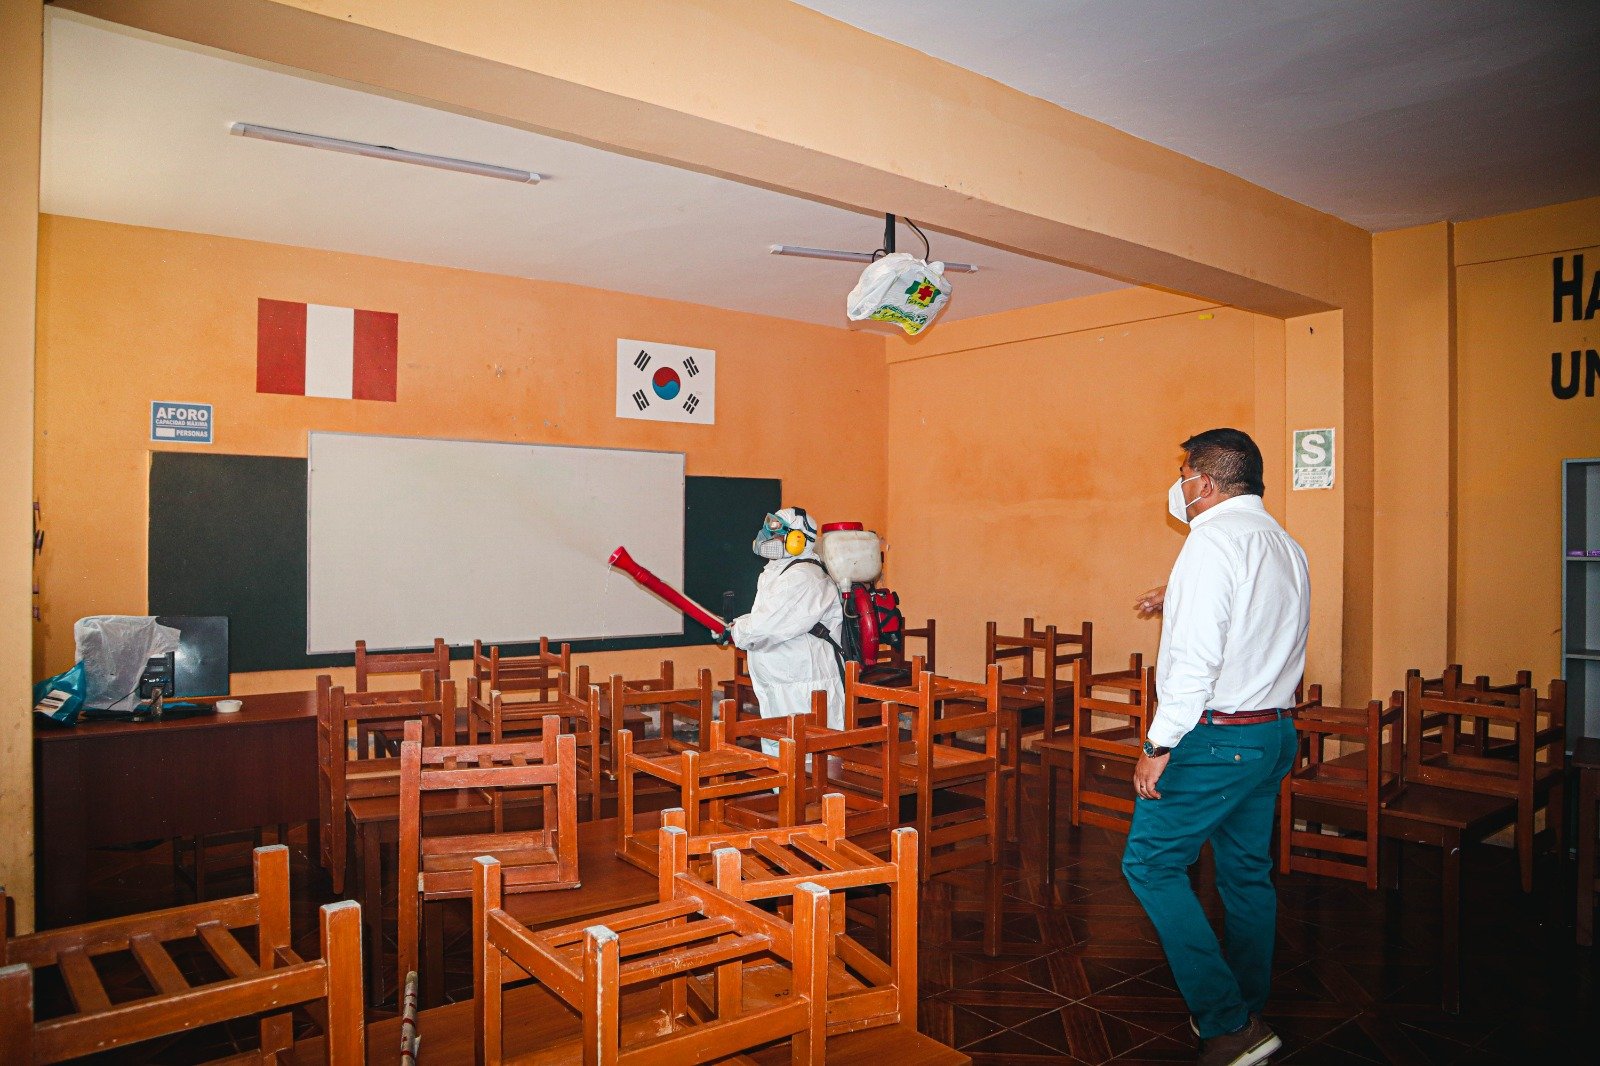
(1080, 978)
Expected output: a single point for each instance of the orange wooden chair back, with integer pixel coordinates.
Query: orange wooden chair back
(536, 859)
(266, 982)
(435, 660)
(1110, 725)
(1356, 783)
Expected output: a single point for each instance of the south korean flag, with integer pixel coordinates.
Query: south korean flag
(666, 382)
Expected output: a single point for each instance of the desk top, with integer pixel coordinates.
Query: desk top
(609, 884)
(261, 709)
(1586, 755)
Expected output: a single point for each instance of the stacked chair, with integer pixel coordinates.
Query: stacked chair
(939, 763)
(267, 982)
(1035, 699)
(705, 780)
(1111, 712)
(354, 755)
(493, 717)
(1528, 766)
(694, 947)
(863, 990)
(439, 866)
(1338, 795)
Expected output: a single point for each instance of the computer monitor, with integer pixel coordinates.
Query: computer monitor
(200, 665)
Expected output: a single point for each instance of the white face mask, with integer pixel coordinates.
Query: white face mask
(1177, 506)
(771, 548)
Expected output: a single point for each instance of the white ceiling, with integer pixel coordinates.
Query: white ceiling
(136, 131)
(1386, 113)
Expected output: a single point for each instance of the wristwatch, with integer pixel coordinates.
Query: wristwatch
(1153, 751)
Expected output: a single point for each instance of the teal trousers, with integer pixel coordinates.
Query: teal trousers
(1220, 784)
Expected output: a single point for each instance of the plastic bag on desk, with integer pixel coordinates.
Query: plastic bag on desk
(60, 698)
(114, 650)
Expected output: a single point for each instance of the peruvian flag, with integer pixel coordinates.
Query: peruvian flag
(317, 350)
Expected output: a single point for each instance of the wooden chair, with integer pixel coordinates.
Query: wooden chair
(355, 756)
(1533, 776)
(859, 763)
(493, 720)
(1037, 700)
(938, 761)
(705, 781)
(324, 702)
(864, 991)
(520, 677)
(739, 688)
(435, 660)
(268, 982)
(628, 704)
(695, 946)
(894, 663)
(534, 860)
(1452, 685)
(1056, 754)
(1345, 790)
(1104, 753)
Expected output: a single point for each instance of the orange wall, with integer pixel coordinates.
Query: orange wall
(21, 85)
(1030, 454)
(129, 315)
(1512, 434)
(1413, 394)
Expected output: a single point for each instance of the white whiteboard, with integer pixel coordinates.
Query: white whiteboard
(408, 539)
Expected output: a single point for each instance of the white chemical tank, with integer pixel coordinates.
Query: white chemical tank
(850, 553)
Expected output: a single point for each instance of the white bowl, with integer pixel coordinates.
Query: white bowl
(229, 706)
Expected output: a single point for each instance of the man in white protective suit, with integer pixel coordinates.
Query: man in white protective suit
(796, 601)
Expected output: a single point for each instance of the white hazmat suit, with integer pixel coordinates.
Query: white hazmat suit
(787, 662)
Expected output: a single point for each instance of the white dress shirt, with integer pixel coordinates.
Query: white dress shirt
(1237, 610)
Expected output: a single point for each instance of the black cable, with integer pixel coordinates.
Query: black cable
(926, 251)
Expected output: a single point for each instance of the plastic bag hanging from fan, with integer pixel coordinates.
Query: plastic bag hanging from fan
(902, 289)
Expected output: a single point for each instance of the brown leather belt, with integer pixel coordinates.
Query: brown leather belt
(1272, 714)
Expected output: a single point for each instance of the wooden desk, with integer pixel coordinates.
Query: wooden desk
(1441, 818)
(107, 783)
(535, 1019)
(1586, 761)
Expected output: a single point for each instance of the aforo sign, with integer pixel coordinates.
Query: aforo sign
(1575, 298)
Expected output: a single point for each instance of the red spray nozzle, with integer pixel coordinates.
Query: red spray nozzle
(626, 563)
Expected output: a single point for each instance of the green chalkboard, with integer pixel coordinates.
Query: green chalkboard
(228, 537)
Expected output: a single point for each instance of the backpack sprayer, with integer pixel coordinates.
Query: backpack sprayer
(853, 558)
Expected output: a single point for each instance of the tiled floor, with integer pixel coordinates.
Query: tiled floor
(1080, 979)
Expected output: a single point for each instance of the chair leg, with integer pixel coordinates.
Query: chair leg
(1525, 845)
(433, 966)
(996, 815)
(1048, 768)
(1014, 825)
(1555, 817)
(199, 868)
(994, 910)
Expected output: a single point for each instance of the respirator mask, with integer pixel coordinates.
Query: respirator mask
(1177, 506)
(781, 537)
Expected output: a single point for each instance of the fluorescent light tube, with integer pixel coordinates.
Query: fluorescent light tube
(378, 151)
(855, 257)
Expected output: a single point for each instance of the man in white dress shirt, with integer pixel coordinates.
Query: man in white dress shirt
(1233, 649)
